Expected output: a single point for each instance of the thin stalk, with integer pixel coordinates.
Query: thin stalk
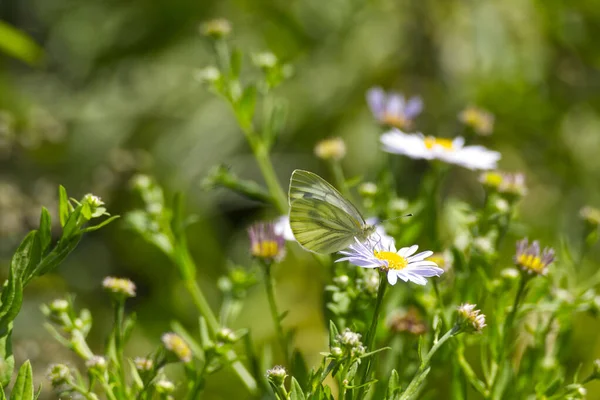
(213, 325)
(339, 179)
(270, 286)
(119, 317)
(506, 334)
(370, 338)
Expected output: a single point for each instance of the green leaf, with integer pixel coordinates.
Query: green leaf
(393, 384)
(45, 230)
(296, 392)
(63, 205)
(22, 256)
(7, 359)
(72, 225)
(12, 298)
(19, 45)
(205, 340)
(23, 387)
(100, 225)
(333, 333)
(56, 256)
(299, 368)
(245, 107)
(2, 395)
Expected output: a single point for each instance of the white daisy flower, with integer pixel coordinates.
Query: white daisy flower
(402, 264)
(416, 145)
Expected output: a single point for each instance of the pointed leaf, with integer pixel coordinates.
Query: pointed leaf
(100, 225)
(63, 205)
(71, 226)
(45, 230)
(7, 359)
(22, 256)
(393, 384)
(333, 333)
(23, 387)
(296, 392)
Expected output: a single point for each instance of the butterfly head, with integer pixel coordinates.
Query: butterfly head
(368, 230)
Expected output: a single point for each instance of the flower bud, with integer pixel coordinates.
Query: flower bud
(97, 364)
(367, 189)
(333, 149)
(120, 287)
(469, 319)
(143, 364)
(59, 374)
(216, 28)
(277, 375)
(164, 386)
(226, 335)
(176, 345)
(208, 75)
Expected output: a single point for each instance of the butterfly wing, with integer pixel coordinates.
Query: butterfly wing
(321, 227)
(306, 185)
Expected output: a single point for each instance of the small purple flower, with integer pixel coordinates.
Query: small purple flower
(531, 259)
(266, 242)
(393, 109)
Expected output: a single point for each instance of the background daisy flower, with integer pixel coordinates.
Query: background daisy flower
(393, 109)
(416, 145)
(401, 264)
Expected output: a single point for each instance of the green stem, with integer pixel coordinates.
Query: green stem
(270, 286)
(415, 383)
(119, 318)
(339, 179)
(370, 338)
(506, 334)
(261, 154)
(513, 311)
(213, 325)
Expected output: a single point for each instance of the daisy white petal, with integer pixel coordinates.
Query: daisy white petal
(429, 147)
(421, 256)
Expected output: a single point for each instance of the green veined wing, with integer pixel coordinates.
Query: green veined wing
(322, 220)
(306, 185)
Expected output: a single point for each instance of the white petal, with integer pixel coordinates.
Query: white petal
(408, 251)
(421, 256)
(392, 277)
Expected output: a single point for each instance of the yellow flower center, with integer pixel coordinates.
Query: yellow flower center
(265, 249)
(431, 141)
(396, 121)
(531, 262)
(395, 261)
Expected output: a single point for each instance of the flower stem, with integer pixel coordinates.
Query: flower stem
(213, 325)
(270, 286)
(339, 179)
(370, 338)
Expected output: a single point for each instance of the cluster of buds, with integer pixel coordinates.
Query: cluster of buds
(348, 345)
(75, 327)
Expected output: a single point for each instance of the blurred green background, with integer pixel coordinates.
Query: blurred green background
(94, 91)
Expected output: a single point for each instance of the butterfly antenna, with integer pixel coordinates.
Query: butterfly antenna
(401, 216)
